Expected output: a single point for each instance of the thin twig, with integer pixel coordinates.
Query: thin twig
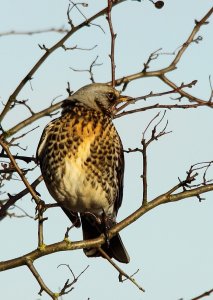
(27, 159)
(19, 171)
(121, 272)
(208, 293)
(14, 32)
(46, 112)
(13, 199)
(37, 276)
(113, 37)
(61, 42)
(157, 106)
(68, 286)
(144, 176)
(90, 70)
(173, 65)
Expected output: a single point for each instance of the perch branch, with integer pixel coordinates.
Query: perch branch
(66, 245)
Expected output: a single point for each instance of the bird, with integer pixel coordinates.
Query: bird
(82, 163)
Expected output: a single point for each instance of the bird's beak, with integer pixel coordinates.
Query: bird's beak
(123, 98)
(123, 101)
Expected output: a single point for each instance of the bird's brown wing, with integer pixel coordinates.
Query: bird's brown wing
(40, 154)
(43, 139)
(120, 177)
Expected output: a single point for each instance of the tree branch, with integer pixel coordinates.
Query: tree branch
(113, 37)
(19, 171)
(37, 276)
(173, 65)
(66, 244)
(13, 199)
(47, 53)
(121, 272)
(208, 293)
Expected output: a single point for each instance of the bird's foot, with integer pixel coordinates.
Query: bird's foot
(106, 221)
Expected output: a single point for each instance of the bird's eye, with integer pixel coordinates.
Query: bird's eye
(111, 96)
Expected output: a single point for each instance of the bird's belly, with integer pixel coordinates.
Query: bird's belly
(79, 190)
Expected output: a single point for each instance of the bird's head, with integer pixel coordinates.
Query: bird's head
(98, 96)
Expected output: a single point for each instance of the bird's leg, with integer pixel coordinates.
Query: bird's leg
(106, 227)
(92, 217)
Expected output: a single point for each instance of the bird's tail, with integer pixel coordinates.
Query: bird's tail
(114, 248)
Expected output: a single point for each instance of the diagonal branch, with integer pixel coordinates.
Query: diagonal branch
(121, 272)
(66, 245)
(46, 112)
(13, 199)
(173, 65)
(37, 276)
(19, 171)
(208, 293)
(47, 53)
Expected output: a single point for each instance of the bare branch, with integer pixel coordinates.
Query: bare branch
(173, 65)
(208, 293)
(37, 276)
(113, 37)
(40, 208)
(95, 243)
(13, 32)
(68, 286)
(78, 48)
(211, 87)
(121, 272)
(46, 112)
(28, 186)
(90, 70)
(157, 105)
(26, 159)
(61, 42)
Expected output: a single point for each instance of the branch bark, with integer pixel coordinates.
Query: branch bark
(66, 244)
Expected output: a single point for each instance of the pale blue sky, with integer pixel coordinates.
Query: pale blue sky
(171, 245)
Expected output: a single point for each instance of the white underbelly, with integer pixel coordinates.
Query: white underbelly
(77, 191)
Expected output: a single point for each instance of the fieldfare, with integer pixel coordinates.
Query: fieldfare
(82, 163)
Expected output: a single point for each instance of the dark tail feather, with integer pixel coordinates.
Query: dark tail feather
(115, 248)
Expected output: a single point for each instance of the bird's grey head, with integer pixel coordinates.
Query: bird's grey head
(98, 96)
